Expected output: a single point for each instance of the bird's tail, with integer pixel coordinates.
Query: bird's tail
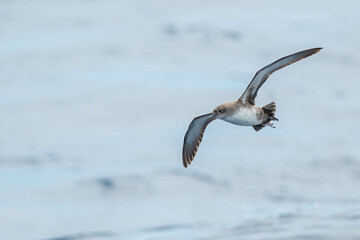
(270, 109)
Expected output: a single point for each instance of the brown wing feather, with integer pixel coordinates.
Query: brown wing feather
(194, 136)
(260, 77)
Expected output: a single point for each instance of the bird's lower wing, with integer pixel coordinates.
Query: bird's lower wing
(260, 77)
(194, 136)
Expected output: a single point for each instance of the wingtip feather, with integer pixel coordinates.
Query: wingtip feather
(314, 50)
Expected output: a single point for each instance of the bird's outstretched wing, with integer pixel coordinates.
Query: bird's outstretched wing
(260, 77)
(194, 136)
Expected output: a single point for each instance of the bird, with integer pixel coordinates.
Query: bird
(243, 111)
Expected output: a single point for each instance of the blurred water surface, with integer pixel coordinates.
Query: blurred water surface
(96, 97)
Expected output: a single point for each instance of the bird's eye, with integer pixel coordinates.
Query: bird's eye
(220, 111)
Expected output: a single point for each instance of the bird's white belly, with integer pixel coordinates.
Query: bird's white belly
(244, 117)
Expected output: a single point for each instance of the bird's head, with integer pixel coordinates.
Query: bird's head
(219, 111)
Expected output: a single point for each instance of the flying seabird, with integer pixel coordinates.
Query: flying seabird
(242, 112)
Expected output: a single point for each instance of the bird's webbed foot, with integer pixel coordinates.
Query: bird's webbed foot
(269, 124)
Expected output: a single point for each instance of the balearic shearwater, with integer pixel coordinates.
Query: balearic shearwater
(242, 112)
